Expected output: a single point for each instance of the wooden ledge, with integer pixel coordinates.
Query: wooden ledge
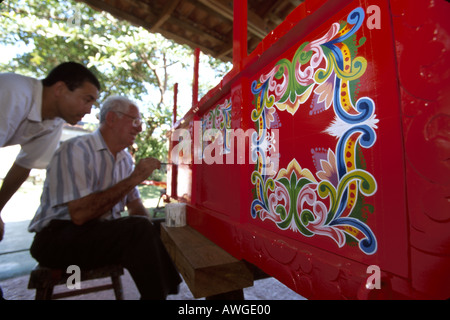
(207, 269)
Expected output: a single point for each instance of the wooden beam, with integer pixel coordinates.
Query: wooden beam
(100, 5)
(275, 7)
(121, 14)
(207, 269)
(256, 25)
(209, 35)
(190, 43)
(225, 50)
(165, 14)
(218, 7)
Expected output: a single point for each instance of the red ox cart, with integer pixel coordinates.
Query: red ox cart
(322, 158)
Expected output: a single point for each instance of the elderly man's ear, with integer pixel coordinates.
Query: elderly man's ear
(110, 118)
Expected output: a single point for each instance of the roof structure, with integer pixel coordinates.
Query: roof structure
(203, 24)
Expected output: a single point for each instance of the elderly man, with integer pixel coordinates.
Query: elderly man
(89, 182)
(32, 113)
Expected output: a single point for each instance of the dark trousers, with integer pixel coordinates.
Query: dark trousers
(129, 241)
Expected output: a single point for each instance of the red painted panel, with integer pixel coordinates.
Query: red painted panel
(357, 133)
(329, 142)
(424, 80)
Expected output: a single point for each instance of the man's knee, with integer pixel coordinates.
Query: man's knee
(140, 225)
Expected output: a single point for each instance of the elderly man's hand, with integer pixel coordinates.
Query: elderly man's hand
(144, 168)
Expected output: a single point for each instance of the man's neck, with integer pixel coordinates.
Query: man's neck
(48, 110)
(110, 141)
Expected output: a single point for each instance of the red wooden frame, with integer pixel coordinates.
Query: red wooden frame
(365, 127)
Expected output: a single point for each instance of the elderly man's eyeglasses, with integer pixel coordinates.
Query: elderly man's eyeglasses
(137, 122)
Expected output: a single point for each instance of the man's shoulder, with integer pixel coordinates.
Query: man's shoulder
(19, 92)
(80, 141)
(17, 81)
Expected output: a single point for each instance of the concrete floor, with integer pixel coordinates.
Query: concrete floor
(15, 269)
(16, 262)
(17, 240)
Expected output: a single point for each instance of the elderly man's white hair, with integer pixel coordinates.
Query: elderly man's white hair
(115, 103)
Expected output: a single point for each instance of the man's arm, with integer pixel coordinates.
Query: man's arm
(136, 208)
(12, 182)
(94, 205)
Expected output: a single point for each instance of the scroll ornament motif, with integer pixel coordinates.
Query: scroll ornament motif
(216, 125)
(325, 72)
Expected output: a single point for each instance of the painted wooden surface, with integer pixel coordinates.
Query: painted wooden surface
(345, 113)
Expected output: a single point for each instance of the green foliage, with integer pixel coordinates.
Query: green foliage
(128, 60)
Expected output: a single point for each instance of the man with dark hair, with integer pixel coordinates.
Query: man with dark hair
(72, 74)
(32, 113)
(89, 182)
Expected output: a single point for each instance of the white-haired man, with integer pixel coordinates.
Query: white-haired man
(90, 180)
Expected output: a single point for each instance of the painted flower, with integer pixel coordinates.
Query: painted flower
(269, 116)
(329, 170)
(325, 91)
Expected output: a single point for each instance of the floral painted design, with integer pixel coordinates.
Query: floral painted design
(330, 201)
(215, 124)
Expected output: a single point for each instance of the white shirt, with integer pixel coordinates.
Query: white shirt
(21, 121)
(81, 166)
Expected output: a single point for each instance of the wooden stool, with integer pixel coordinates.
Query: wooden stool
(44, 279)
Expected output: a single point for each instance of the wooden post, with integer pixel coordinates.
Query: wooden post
(173, 168)
(239, 33)
(175, 101)
(195, 82)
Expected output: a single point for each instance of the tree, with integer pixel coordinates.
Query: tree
(128, 60)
